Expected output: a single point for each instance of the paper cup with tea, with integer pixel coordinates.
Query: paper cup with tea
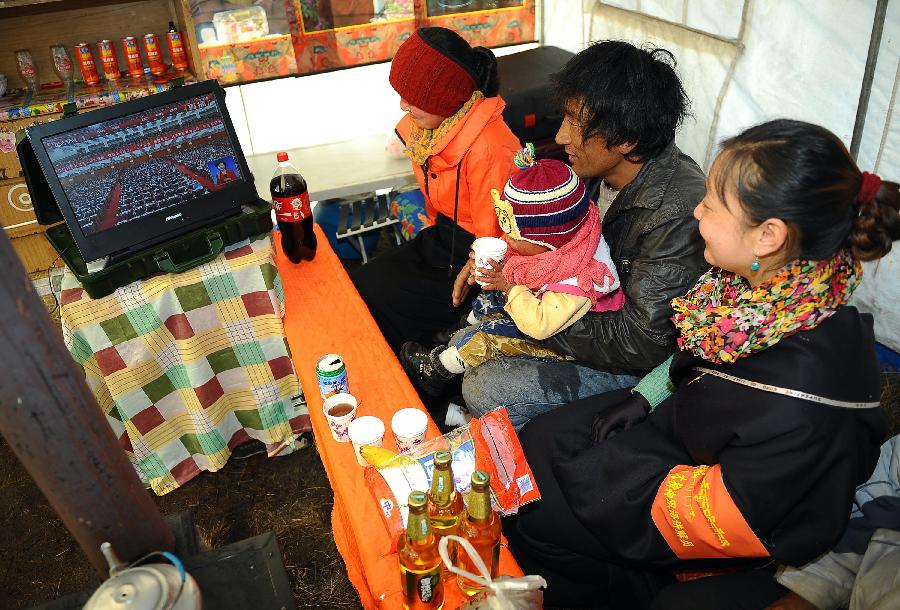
(340, 410)
(366, 430)
(487, 249)
(409, 426)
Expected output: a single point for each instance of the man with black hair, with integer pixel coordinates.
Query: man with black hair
(622, 107)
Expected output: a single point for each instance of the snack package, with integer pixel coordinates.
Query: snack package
(501, 593)
(488, 443)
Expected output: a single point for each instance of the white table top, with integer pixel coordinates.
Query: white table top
(338, 170)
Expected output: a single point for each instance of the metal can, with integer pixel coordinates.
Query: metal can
(332, 375)
(108, 59)
(154, 57)
(176, 50)
(86, 63)
(132, 53)
(62, 63)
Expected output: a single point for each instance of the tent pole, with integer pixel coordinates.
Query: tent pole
(51, 421)
(868, 76)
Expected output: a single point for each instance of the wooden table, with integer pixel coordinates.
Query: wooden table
(325, 314)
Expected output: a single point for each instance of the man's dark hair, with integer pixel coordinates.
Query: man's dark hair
(627, 95)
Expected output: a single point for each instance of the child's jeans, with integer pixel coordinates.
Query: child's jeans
(495, 334)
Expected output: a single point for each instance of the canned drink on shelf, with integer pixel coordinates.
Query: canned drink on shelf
(154, 56)
(108, 59)
(176, 48)
(332, 375)
(62, 63)
(132, 53)
(86, 62)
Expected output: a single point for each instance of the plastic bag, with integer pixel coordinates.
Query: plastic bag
(488, 443)
(501, 593)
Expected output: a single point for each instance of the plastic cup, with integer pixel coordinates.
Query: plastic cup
(486, 249)
(338, 416)
(409, 426)
(366, 430)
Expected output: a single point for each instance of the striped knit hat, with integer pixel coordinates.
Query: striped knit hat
(544, 202)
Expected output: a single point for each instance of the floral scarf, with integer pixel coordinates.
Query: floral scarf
(421, 141)
(722, 318)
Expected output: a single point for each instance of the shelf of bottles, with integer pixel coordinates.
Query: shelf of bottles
(91, 75)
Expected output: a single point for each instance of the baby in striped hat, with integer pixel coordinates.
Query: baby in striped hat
(558, 269)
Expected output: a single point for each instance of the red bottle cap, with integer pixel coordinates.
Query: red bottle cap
(282, 156)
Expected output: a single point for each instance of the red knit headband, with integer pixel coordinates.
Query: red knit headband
(869, 188)
(428, 79)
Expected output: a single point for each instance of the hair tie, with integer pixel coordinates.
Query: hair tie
(525, 156)
(869, 188)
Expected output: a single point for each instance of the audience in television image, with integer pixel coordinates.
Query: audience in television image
(89, 199)
(154, 186)
(149, 186)
(198, 159)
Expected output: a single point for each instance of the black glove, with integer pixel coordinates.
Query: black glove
(619, 417)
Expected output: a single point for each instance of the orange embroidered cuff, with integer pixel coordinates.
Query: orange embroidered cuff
(698, 519)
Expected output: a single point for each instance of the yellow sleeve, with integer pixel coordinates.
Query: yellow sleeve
(544, 317)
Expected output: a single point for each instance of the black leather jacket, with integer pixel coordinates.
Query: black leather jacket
(656, 245)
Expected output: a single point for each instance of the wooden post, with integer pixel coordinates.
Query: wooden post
(51, 420)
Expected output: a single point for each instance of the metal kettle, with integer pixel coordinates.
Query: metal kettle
(156, 586)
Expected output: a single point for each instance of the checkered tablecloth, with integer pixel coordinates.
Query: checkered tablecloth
(187, 366)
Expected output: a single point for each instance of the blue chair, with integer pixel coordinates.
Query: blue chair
(361, 214)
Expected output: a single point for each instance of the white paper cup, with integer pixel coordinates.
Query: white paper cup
(409, 426)
(366, 430)
(486, 249)
(339, 423)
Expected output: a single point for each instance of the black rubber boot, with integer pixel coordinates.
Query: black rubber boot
(424, 368)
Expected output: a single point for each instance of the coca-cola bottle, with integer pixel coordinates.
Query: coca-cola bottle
(292, 211)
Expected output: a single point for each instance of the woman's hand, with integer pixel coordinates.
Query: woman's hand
(493, 277)
(464, 281)
(619, 417)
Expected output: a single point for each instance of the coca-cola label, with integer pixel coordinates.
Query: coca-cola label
(292, 209)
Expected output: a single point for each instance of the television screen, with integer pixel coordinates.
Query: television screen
(120, 170)
(139, 173)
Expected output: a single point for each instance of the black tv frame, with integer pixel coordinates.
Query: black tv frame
(145, 232)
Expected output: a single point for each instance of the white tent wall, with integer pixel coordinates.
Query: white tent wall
(880, 149)
(747, 61)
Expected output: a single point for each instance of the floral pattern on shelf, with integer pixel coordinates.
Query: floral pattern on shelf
(50, 100)
(288, 37)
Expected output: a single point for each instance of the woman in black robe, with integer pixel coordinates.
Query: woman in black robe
(772, 416)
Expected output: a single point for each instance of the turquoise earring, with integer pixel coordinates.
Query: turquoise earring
(755, 265)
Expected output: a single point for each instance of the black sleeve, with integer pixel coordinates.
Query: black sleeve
(793, 473)
(640, 336)
(789, 466)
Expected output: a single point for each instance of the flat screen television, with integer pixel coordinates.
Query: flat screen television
(136, 174)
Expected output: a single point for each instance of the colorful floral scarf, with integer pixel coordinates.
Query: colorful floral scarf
(723, 318)
(421, 141)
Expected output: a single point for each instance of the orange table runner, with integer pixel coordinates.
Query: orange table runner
(326, 315)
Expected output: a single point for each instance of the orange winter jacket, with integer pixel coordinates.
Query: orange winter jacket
(483, 149)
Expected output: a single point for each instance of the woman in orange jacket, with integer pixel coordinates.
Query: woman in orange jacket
(460, 149)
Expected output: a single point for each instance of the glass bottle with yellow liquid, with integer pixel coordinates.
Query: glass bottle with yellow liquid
(445, 504)
(480, 525)
(420, 562)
